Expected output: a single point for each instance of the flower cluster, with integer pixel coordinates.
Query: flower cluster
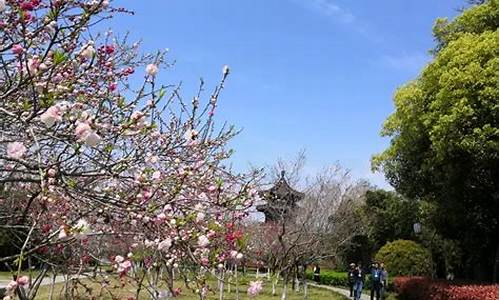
(11, 287)
(254, 288)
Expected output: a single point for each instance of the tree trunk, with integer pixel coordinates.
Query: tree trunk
(236, 283)
(304, 282)
(284, 295)
(52, 284)
(170, 282)
(221, 285)
(274, 286)
(305, 290)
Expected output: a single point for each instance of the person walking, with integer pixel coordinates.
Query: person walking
(316, 272)
(375, 281)
(350, 278)
(384, 279)
(359, 279)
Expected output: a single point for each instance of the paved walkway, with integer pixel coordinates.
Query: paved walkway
(45, 281)
(341, 291)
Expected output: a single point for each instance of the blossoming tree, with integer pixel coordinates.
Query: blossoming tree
(100, 165)
(312, 231)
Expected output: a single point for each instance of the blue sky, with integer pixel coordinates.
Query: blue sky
(312, 74)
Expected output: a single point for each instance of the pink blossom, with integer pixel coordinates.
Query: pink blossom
(137, 115)
(2, 5)
(112, 86)
(27, 5)
(92, 139)
(16, 150)
(254, 288)
(23, 280)
(51, 115)
(152, 69)
(62, 233)
(119, 259)
(81, 130)
(156, 175)
(84, 133)
(190, 135)
(17, 49)
(165, 244)
(33, 65)
(204, 261)
(203, 241)
(12, 285)
(161, 216)
(87, 51)
(51, 172)
(109, 49)
(148, 243)
(124, 267)
(200, 216)
(127, 71)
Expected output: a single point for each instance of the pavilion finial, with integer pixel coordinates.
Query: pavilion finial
(282, 174)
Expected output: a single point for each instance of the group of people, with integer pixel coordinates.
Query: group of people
(378, 278)
(356, 278)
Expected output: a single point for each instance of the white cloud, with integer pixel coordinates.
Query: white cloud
(329, 9)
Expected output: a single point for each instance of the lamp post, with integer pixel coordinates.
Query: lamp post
(417, 228)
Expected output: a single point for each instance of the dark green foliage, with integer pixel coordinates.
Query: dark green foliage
(405, 258)
(444, 138)
(359, 249)
(389, 216)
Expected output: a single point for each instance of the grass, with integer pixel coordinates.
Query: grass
(128, 290)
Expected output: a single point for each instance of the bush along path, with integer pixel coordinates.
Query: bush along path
(342, 291)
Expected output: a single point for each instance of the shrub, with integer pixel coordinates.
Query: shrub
(416, 288)
(331, 278)
(407, 258)
(340, 279)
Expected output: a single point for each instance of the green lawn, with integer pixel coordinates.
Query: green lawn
(128, 290)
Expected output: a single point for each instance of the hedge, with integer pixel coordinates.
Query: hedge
(330, 278)
(416, 288)
(340, 279)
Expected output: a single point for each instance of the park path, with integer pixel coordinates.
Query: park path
(45, 281)
(341, 291)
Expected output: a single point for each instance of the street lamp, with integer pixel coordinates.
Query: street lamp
(417, 228)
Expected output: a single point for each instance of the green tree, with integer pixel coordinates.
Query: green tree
(389, 216)
(444, 136)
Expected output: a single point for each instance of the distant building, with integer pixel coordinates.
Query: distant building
(281, 200)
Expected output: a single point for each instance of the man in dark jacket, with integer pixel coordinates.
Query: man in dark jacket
(350, 278)
(375, 279)
(359, 279)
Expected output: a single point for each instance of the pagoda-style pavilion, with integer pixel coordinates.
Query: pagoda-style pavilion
(281, 200)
